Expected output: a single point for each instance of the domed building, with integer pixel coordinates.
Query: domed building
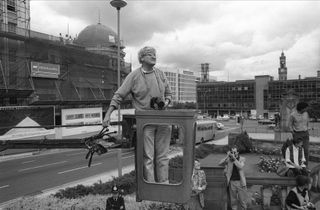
(99, 39)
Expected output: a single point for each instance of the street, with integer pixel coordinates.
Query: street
(31, 175)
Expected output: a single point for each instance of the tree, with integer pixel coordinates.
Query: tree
(314, 110)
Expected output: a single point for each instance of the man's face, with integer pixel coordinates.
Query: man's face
(149, 58)
(115, 195)
(196, 165)
(234, 151)
(299, 144)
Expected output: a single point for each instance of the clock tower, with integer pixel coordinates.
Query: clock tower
(282, 70)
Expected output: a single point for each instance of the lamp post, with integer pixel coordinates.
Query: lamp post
(118, 4)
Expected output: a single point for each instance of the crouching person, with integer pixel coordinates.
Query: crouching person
(298, 197)
(236, 180)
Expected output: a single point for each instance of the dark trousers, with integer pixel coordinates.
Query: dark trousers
(304, 135)
(293, 172)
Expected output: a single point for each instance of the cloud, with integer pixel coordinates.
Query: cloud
(239, 39)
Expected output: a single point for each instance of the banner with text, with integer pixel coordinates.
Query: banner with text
(81, 116)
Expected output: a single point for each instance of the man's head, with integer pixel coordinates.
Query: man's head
(196, 164)
(115, 191)
(297, 141)
(303, 181)
(147, 55)
(302, 106)
(234, 150)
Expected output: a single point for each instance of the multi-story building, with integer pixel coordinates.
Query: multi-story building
(182, 83)
(307, 90)
(217, 98)
(41, 69)
(14, 15)
(261, 95)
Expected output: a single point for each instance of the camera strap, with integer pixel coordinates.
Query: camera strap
(156, 73)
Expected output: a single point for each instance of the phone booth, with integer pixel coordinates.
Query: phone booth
(155, 179)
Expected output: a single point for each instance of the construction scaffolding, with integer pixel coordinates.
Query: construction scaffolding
(84, 77)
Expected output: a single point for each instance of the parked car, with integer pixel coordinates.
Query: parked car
(252, 117)
(265, 122)
(219, 126)
(260, 117)
(271, 126)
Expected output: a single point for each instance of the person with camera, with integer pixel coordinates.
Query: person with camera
(149, 89)
(236, 180)
(298, 197)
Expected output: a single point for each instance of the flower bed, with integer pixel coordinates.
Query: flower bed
(268, 164)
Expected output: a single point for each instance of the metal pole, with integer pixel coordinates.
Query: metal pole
(119, 157)
(118, 55)
(204, 110)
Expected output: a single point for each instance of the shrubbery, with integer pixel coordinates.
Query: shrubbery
(176, 162)
(127, 182)
(268, 151)
(243, 142)
(165, 206)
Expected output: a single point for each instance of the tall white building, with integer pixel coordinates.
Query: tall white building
(182, 83)
(15, 16)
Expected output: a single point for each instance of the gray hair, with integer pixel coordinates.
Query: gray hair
(144, 51)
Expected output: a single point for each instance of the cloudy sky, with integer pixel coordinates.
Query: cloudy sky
(239, 39)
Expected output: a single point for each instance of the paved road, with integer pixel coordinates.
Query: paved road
(31, 175)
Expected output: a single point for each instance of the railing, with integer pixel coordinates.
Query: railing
(34, 34)
(30, 34)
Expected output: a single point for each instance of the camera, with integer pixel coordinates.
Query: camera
(156, 103)
(232, 156)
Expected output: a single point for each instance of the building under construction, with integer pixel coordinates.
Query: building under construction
(41, 69)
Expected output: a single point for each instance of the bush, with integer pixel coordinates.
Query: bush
(127, 182)
(243, 142)
(165, 206)
(176, 162)
(268, 151)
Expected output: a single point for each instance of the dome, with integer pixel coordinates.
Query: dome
(96, 36)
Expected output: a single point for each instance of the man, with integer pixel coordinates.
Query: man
(144, 84)
(236, 180)
(115, 202)
(298, 197)
(295, 159)
(298, 125)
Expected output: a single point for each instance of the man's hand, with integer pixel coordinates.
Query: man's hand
(106, 121)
